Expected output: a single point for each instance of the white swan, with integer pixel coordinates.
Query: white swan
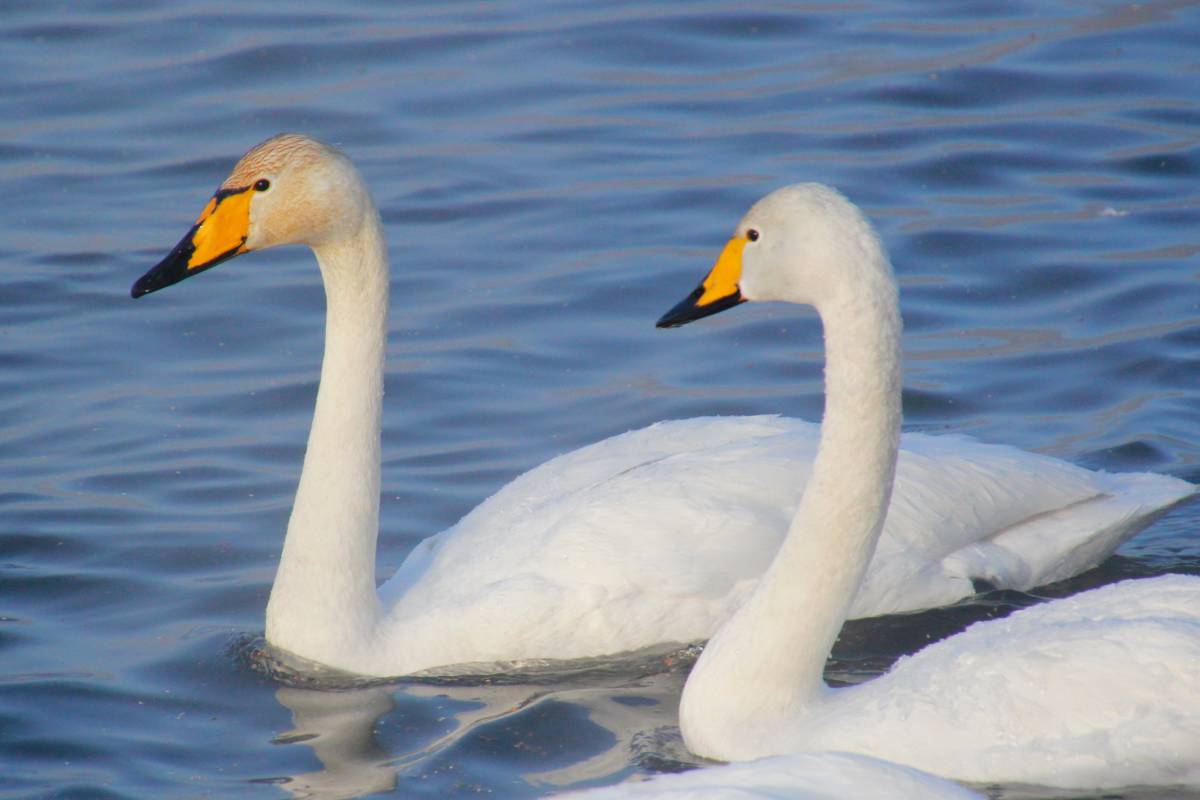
(1100, 689)
(649, 537)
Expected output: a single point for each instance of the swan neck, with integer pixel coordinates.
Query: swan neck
(323, 604)
(776, 645)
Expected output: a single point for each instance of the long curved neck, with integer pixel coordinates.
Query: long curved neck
(323, 604)
(764, 667)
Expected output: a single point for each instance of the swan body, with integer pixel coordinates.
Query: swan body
(803, 776)
(650, 537)
(1100, 689)
(578, 573)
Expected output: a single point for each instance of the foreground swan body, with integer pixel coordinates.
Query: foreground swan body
(1100, 689)
(653, 536)
(804, 776)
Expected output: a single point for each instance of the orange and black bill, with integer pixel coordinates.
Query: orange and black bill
(717, 292)
(218, 235)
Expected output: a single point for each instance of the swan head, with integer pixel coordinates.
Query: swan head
(804, 243)
(290, 189)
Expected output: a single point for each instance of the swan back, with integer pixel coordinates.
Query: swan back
(1098, 689)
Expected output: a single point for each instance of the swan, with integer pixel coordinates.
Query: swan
(1098, 689)
(653, 536)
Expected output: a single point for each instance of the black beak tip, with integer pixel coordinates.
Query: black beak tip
(175, 268)
(682, 312)
(687, 311)
(171, 269)
(163, 275)
(669, 320)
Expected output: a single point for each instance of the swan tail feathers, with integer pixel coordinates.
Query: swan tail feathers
(1055, 545)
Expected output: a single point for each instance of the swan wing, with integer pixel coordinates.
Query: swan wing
(648, 537)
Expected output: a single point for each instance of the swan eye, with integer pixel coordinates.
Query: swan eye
(261, 185)
(752, 235)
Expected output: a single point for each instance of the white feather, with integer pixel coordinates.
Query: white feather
(804, 776)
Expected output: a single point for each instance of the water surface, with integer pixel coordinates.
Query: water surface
(552, 178)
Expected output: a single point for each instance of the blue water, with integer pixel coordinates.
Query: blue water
(552, 178)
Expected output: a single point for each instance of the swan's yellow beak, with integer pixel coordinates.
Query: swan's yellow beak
(717, 292)
(218, 235)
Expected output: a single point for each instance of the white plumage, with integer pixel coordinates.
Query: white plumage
(804, 776)
(1098, 689)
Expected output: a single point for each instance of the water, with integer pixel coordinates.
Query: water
(552, 178)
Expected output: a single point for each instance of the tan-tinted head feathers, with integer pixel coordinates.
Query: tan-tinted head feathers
(269, 157)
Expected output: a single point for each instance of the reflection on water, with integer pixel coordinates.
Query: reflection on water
(554, 724)
(340, 729)
(551, 178)
(440, 737)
